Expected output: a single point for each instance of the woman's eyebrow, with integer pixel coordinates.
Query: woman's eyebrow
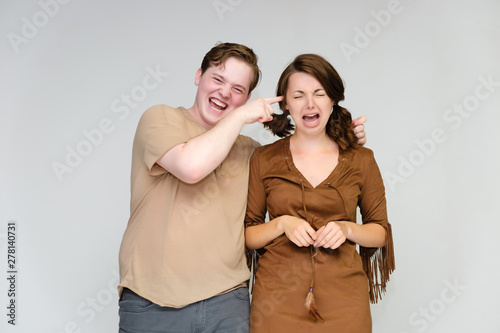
(301, 92)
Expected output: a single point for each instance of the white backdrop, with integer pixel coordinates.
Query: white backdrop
(76, 76)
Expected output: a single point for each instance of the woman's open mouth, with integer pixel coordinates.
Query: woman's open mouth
(311, 118)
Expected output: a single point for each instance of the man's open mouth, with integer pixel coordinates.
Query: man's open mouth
(217, 104)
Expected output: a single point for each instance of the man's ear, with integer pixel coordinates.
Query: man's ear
(197, 77)
(248, 97)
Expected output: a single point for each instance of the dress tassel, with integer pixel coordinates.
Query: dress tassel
(311, 305)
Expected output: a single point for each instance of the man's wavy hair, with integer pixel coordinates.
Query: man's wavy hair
(219, 54)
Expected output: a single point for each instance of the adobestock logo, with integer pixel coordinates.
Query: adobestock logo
(93, 305)
(208, 190)
(454, 117)
(293, 277)
(223, 6)
(94, 137)
(373, 28)
(421, 319)
(30, 28)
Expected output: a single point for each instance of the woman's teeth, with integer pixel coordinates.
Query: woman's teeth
(311, 118)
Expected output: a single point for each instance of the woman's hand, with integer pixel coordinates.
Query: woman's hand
(331, 235)
(298, 230)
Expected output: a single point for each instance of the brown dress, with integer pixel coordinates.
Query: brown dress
(343, 281)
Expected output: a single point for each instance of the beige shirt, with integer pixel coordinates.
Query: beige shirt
(183, 242)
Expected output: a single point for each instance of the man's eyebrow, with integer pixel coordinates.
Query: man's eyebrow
(221, 77)
(243, 88)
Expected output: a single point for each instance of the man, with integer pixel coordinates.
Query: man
(182, 261)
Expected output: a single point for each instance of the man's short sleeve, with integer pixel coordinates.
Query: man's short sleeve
(160, 129)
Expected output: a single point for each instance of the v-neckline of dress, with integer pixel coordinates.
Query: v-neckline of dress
(327, 180)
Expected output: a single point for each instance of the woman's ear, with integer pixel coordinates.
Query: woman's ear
(333, 105)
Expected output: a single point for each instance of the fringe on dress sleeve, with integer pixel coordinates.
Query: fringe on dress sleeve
(378, 264)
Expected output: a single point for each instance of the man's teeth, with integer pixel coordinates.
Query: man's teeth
(219, 103)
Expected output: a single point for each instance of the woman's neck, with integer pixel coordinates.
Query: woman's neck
(304, 144)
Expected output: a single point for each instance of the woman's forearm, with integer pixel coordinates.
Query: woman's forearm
(366, 235)
(258, 236)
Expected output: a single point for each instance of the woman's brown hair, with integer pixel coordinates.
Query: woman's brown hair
(339, 126)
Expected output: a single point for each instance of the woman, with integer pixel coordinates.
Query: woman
(311, 278)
